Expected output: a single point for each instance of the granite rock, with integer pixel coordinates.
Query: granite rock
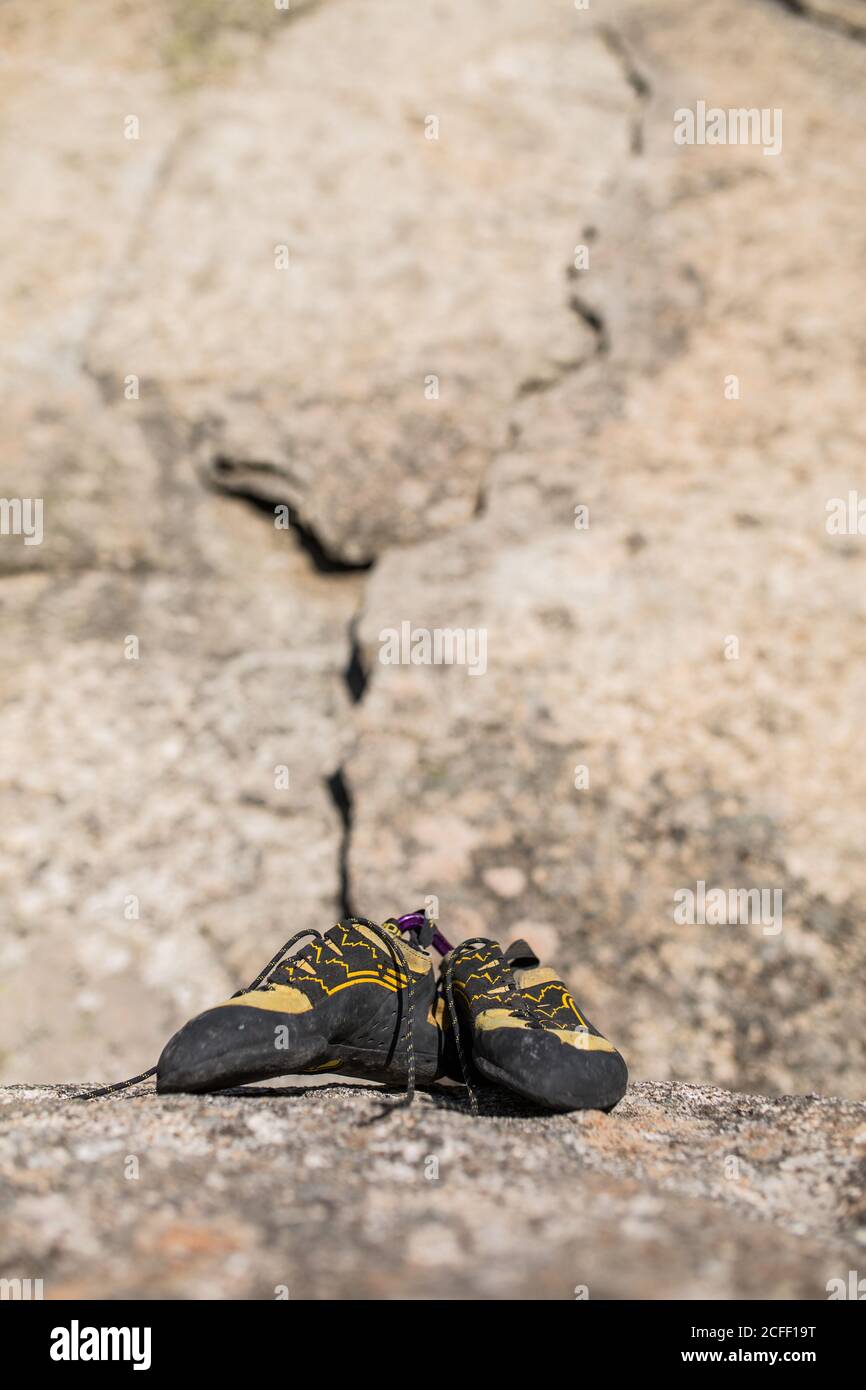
(327, 1191)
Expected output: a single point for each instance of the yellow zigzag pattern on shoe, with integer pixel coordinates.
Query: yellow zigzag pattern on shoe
(552, 996)
(291, 1000)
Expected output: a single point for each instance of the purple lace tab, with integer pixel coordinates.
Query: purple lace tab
(414, 921)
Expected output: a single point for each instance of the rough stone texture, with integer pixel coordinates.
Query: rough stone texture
(606, 646)
(150, 860)
(683, 1192)
(408, 258)
(151, 779)
(439, 257)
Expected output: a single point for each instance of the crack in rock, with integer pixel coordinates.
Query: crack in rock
(226, 477)
(634, 76)
(594, 320)
(341, 795)
(824, 18)
(243, 481)
(356, 675)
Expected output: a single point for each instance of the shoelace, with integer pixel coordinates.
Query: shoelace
(418, 922)
(389, 940)
(262, 981)
(447, 984)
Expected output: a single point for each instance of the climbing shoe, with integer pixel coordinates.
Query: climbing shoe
(516, 1025)
(360, 1000)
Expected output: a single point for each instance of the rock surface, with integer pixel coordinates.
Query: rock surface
(316, 1192)
(165, 384)
(673, 694)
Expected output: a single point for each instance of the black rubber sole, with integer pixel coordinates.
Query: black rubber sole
(336, 1065)
(235, 1046)
(579, 1098)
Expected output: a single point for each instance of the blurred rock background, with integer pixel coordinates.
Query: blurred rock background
(165, 386)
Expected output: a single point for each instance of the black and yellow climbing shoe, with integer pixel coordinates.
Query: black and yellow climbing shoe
(516, 1025)
(360, 1000)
